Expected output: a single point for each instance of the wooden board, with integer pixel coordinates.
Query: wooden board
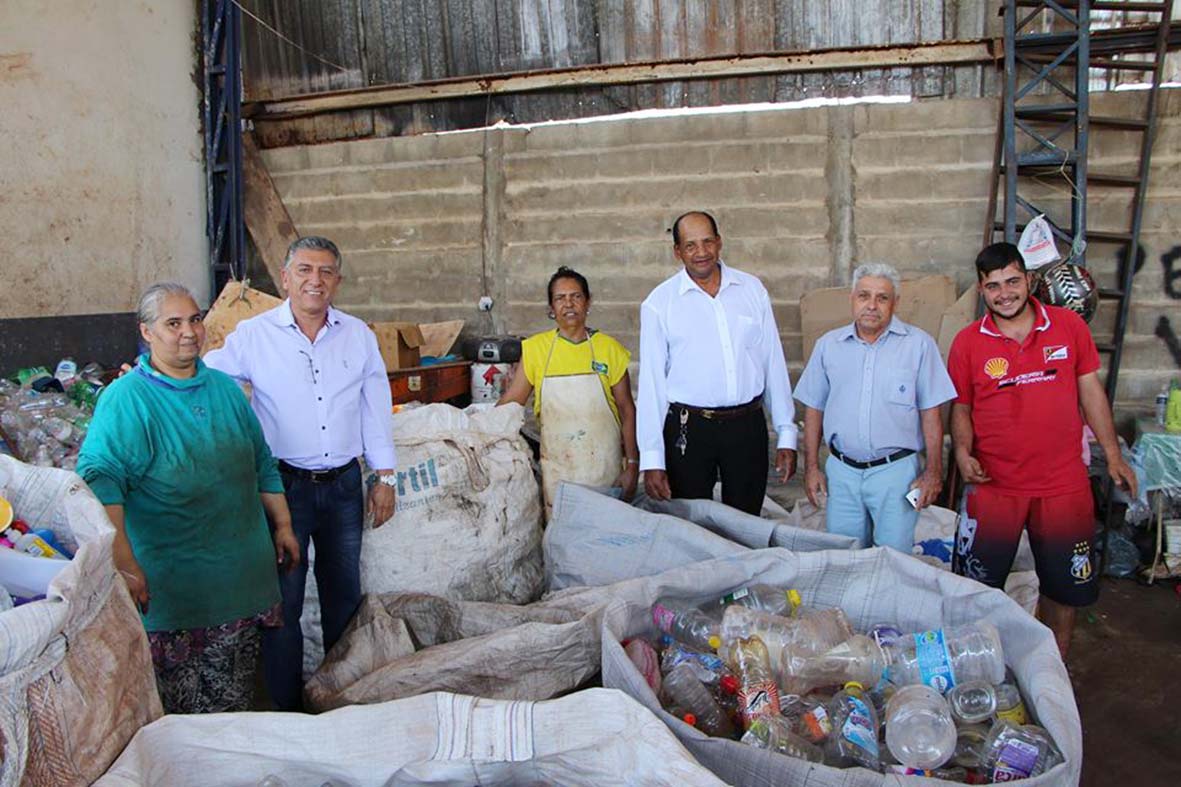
(267, 219)
(235, 303)
(439, 337)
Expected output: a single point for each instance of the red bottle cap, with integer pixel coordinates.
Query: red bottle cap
(20, 526)
(729, 684)
(690, 719)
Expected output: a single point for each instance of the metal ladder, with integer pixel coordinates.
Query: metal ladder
(1045, 43)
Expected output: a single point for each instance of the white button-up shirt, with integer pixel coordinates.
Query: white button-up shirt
(321, 403)
(709, 352)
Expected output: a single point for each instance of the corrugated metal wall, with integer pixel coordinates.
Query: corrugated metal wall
(294, 47)
(337, 44)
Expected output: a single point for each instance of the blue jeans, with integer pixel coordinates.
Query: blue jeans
(871, 505)
(330, 515)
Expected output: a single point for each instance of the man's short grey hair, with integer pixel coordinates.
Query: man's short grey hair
(314, 242)
(148, 310)
(878, 270)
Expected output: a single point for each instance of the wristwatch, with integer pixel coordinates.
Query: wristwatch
(389, 479)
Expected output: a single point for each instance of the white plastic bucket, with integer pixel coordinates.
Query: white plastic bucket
(488, 381)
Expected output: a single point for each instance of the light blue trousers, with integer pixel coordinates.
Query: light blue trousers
(870, 505)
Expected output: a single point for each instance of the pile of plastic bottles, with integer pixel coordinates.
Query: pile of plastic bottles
(759, 666)
(46, 417)
(20, 542)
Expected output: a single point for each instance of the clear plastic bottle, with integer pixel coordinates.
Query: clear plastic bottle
(774, 734)
(758, 694)
(764, 598)
(858, 659)
(920, 732)
(811, 631)
(969, 746)
(707, 666)
(885, 634)
(692, 696)
(972, 702)
(854, 738)
(647, 662)
(1018, 751)
(1009, 705)
(686, 623)
(944, 657)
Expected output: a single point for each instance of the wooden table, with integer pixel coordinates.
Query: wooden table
(443, 382)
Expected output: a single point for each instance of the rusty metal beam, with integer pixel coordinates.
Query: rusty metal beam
(982, 50)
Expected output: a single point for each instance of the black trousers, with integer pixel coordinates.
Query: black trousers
(734, 448)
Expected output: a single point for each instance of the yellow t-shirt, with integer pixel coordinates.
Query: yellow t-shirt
(610, 359)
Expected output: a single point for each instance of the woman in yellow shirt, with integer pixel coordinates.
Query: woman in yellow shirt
(582, 395)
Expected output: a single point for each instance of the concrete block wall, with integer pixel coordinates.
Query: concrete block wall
(430, 223)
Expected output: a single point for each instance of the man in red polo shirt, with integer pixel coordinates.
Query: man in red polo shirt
(1022, 373)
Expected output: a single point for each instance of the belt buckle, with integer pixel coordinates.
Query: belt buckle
(707, 412)
(321, 476)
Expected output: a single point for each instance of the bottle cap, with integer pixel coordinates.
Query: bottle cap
(20, 526)
(5, 513)
(854, 685)
(793, 598)
(715, 641)
(729, 684)
(690, 719)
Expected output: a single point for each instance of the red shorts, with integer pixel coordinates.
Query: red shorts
(1061, 535)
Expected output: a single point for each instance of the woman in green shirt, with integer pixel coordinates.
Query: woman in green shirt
(178, 458)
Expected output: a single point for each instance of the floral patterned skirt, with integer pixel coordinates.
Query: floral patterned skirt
(210, 670)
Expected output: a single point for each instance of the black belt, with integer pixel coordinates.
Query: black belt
(723, 413)
(885, 460)
(316, 476)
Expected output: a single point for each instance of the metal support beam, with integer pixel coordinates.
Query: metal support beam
(222, 122)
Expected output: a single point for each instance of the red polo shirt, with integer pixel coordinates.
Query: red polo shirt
(1024, 400)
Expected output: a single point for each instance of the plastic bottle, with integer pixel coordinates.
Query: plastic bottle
(774, 734)
(1018, 751)
(815, 724)
(707, 666)
(944, 657)
(1009, 705)
(758, 695)
(693, 697)
(811, 631)
(972, 702)
(969, 746)
(858, 659)
(919, 729)
(885, 634)
(854, 738)
(1162, 405)
(647, 662)
(33, 544)
(764, 598)
(686, 624)
(66, 372)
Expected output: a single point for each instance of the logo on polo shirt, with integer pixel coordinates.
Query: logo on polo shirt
(1055, 352)
(996, 368)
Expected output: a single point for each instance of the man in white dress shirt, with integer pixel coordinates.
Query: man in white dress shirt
(322, 396)
(710, 355)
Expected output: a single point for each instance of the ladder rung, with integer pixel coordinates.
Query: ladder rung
(1114, 293)
(1037, 110)
(1109, 237)
(1106, 179)
(1099, 5)
(1133, 124)
(1046, 158)
(1122, 65)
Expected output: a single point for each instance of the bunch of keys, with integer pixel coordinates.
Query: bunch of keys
(683, 441)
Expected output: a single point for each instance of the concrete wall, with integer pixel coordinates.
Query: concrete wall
(101, 179)
(802, 197)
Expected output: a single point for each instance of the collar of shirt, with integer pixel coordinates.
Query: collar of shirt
(988, 325)
(284, 317)
(687, 284)
(144, 368)
(849, 331)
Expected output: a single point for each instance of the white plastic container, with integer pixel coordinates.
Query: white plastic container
(25, 575)
(488, 381)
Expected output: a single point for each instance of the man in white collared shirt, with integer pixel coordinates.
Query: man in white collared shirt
(710, 354)
(322, 396)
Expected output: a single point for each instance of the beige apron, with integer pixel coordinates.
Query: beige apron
(580, 438)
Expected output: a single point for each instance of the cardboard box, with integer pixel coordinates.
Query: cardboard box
(236, 302)
(399, 343)
(922, 303)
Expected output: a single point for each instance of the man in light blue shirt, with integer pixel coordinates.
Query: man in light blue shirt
(873, 388)
(321, 393)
